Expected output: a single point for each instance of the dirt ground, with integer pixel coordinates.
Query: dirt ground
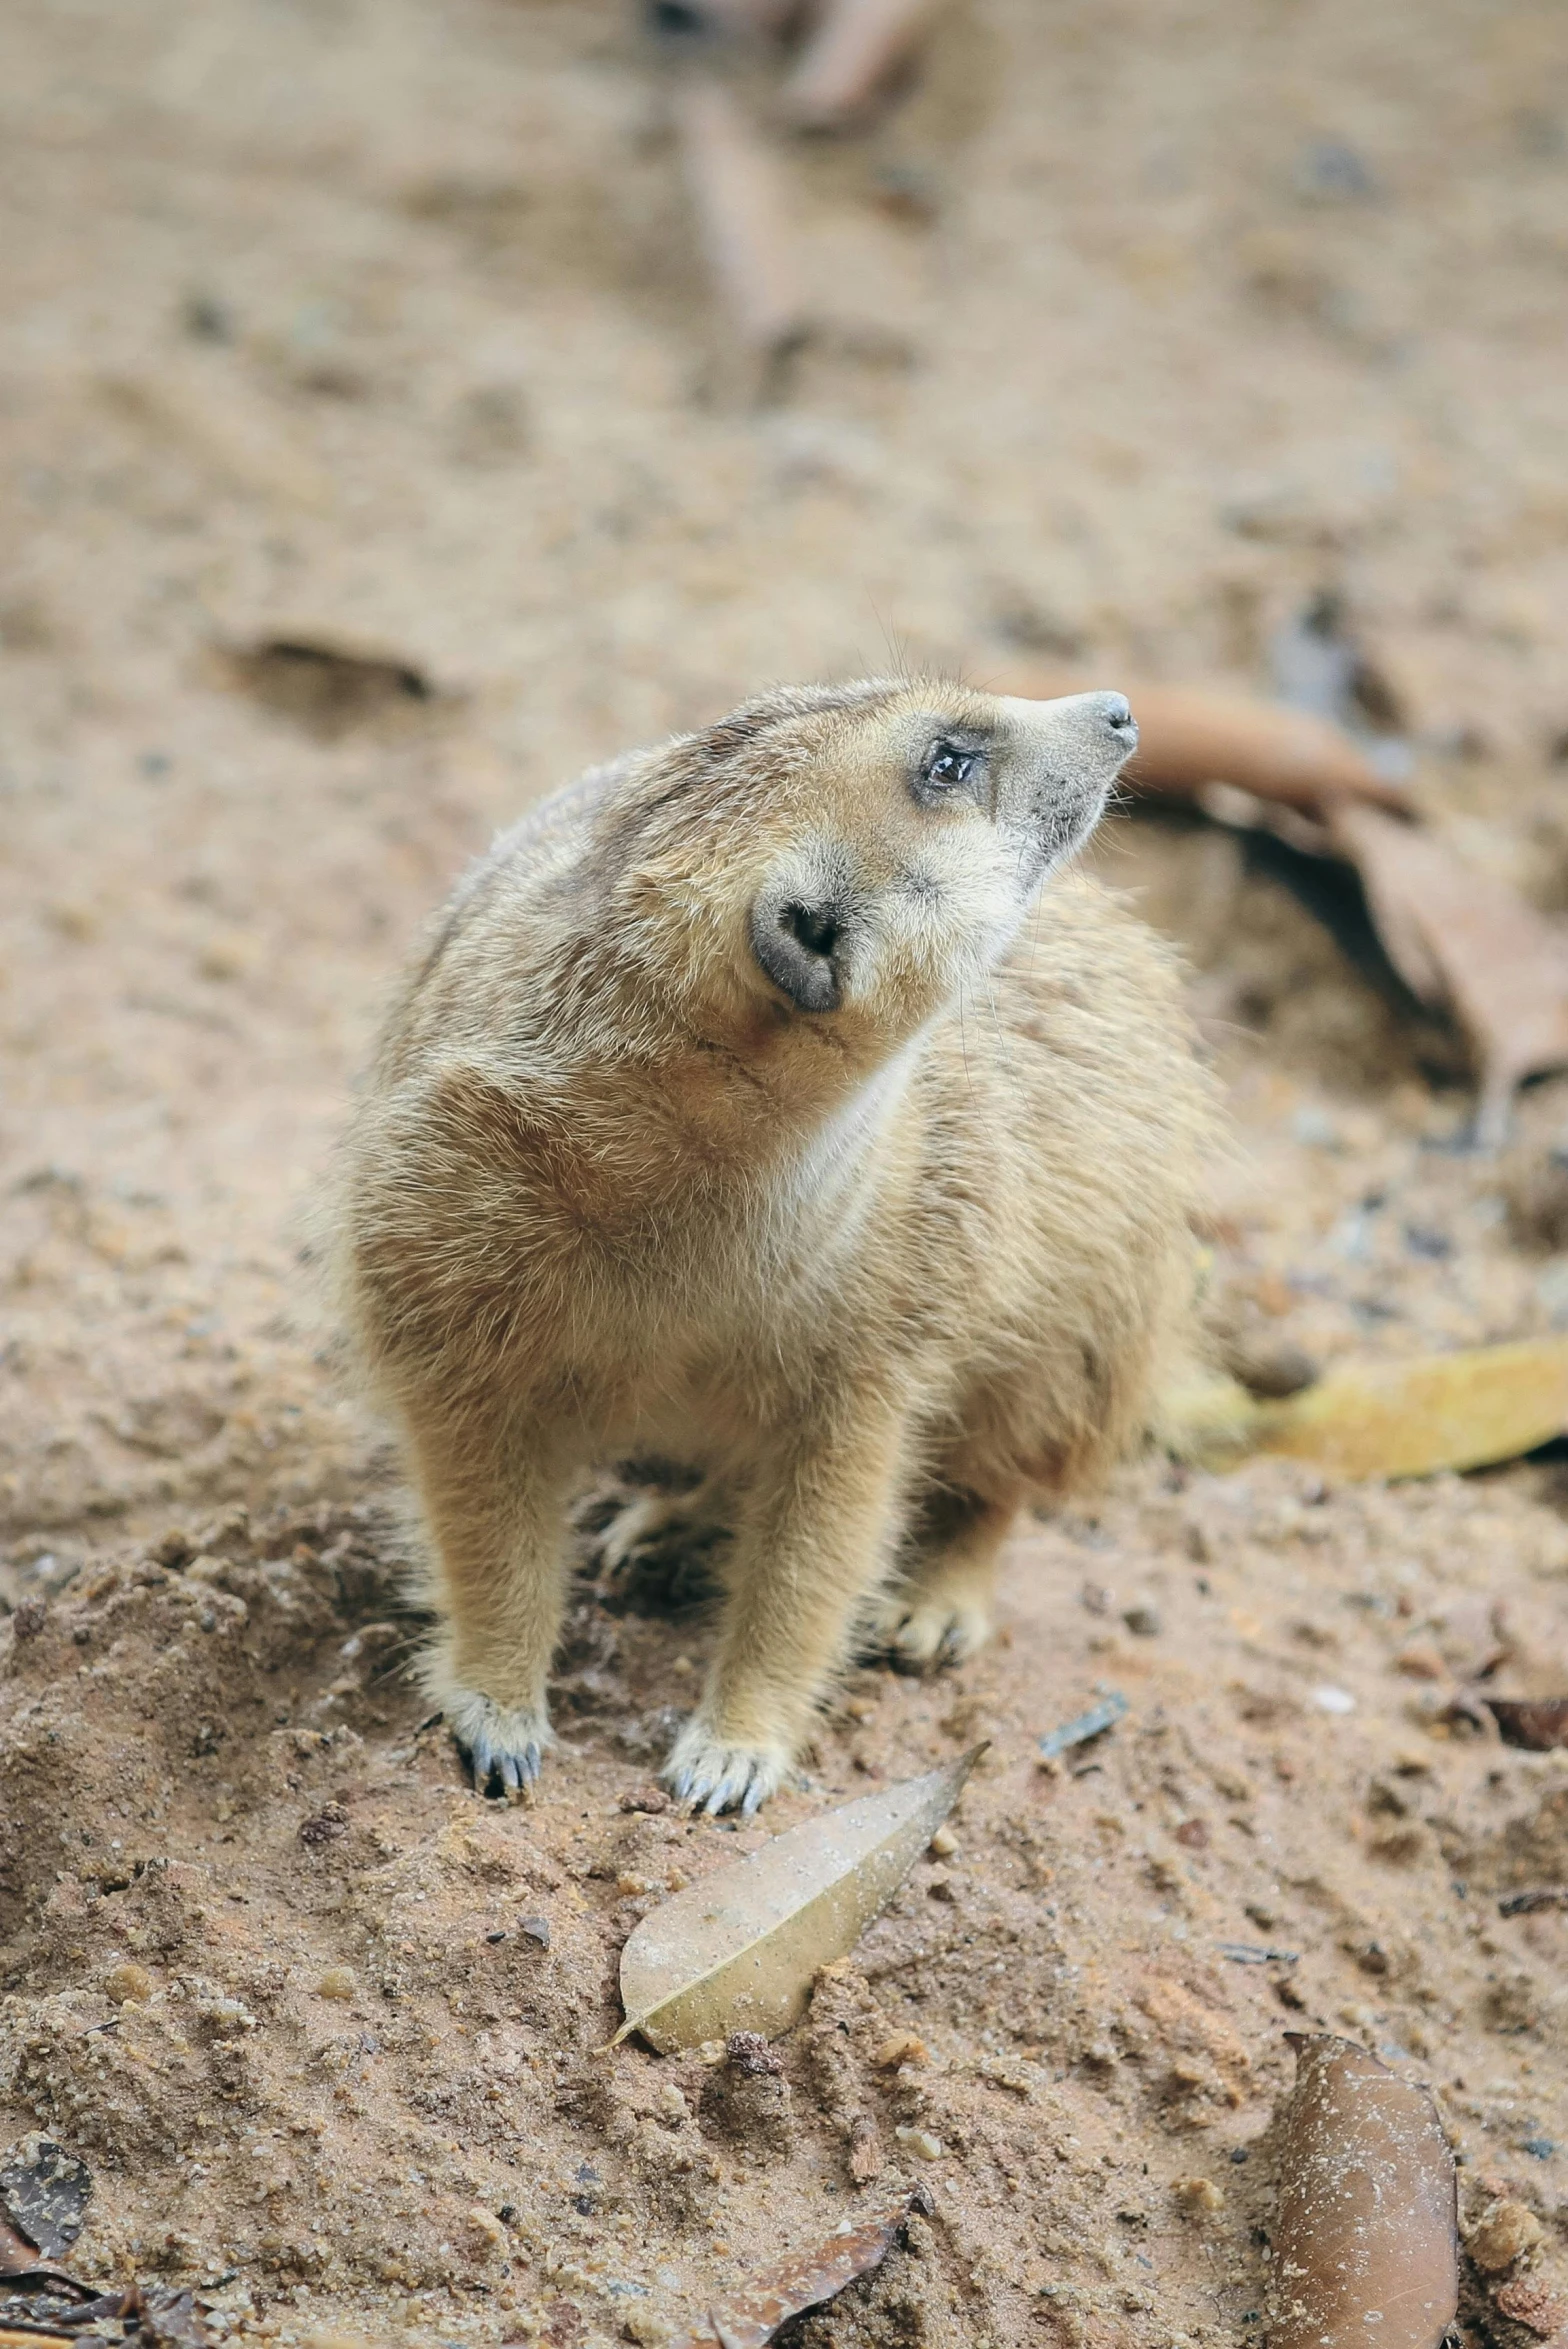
(332, 323)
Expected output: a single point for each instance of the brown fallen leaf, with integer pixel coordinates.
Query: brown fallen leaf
(739, 1950)
(1538, 1723)
(1401, 1418)
(43, 2192)
(1366, 2227)
(754, 2316)
(854, 52)
(167, 2320)
(745, 222)
(1462, 940)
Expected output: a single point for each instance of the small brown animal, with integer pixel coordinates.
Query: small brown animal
(751, 1108)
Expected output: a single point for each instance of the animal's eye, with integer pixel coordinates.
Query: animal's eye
(947, 765)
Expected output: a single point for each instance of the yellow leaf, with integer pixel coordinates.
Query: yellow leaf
(1461, 1410)
(739, 1951)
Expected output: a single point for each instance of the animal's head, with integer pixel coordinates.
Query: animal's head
(856, 856)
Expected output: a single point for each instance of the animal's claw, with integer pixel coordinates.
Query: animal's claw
(709, 1776)
(503, 1745)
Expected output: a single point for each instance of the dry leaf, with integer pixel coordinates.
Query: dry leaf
(739, 1951)
(1366, 2229)
(43, 2191)
(1464, 940)
(1539, 1723)
(1410, 1418)
(753, 2317)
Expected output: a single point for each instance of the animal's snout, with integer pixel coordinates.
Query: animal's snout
(1117, 711)
(815, 928)
(797, 935)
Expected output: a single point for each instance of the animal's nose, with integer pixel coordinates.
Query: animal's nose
(1117, 712)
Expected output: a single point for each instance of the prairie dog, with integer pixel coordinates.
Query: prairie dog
(751, 1107)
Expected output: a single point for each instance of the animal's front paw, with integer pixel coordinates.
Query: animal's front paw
(504, 1744)
(928, 1630)
(710, 1773)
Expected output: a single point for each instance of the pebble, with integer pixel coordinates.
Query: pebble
(128, 1983)
(1146, 1621)
(1333, 1700)
(902, 2048)
(1504, 2232)
(944, 1843)
(922, 2143)
(337, 1982)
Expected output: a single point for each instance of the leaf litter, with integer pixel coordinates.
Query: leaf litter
(754, 2316)
(740, 1950)
(1467, 1409)
(1366, 2230)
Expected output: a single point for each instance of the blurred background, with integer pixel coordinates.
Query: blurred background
(405, 402)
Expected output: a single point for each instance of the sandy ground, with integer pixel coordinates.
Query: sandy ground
(379, 326)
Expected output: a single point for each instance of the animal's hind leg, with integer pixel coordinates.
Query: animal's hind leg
(938, 1610)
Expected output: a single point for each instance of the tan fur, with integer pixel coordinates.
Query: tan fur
(882, 1270)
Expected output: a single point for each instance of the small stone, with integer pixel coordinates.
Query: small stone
(1333, 1700)
(921, 2144)
(325, 1825)
(1194, 1833)
(648, 2328)
(1198, 2194)
(749, 2052)
(484, 2229)
(902, 2048)
(651, 1799)
(1504, 2232)
(536, 1929)
(865, 2150)
(944, 1843)
(1420, 1661)
(1532, 2305)
(337, 1982)
(1270, 1365)
(1145, 1621)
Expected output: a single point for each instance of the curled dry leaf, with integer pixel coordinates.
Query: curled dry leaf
(1460, 1410)
(1366, 2229)
(856, 49)
(740, 1950)
(1467, 942)
(168, 2320)
(1538, 1723)
(754, 2316)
